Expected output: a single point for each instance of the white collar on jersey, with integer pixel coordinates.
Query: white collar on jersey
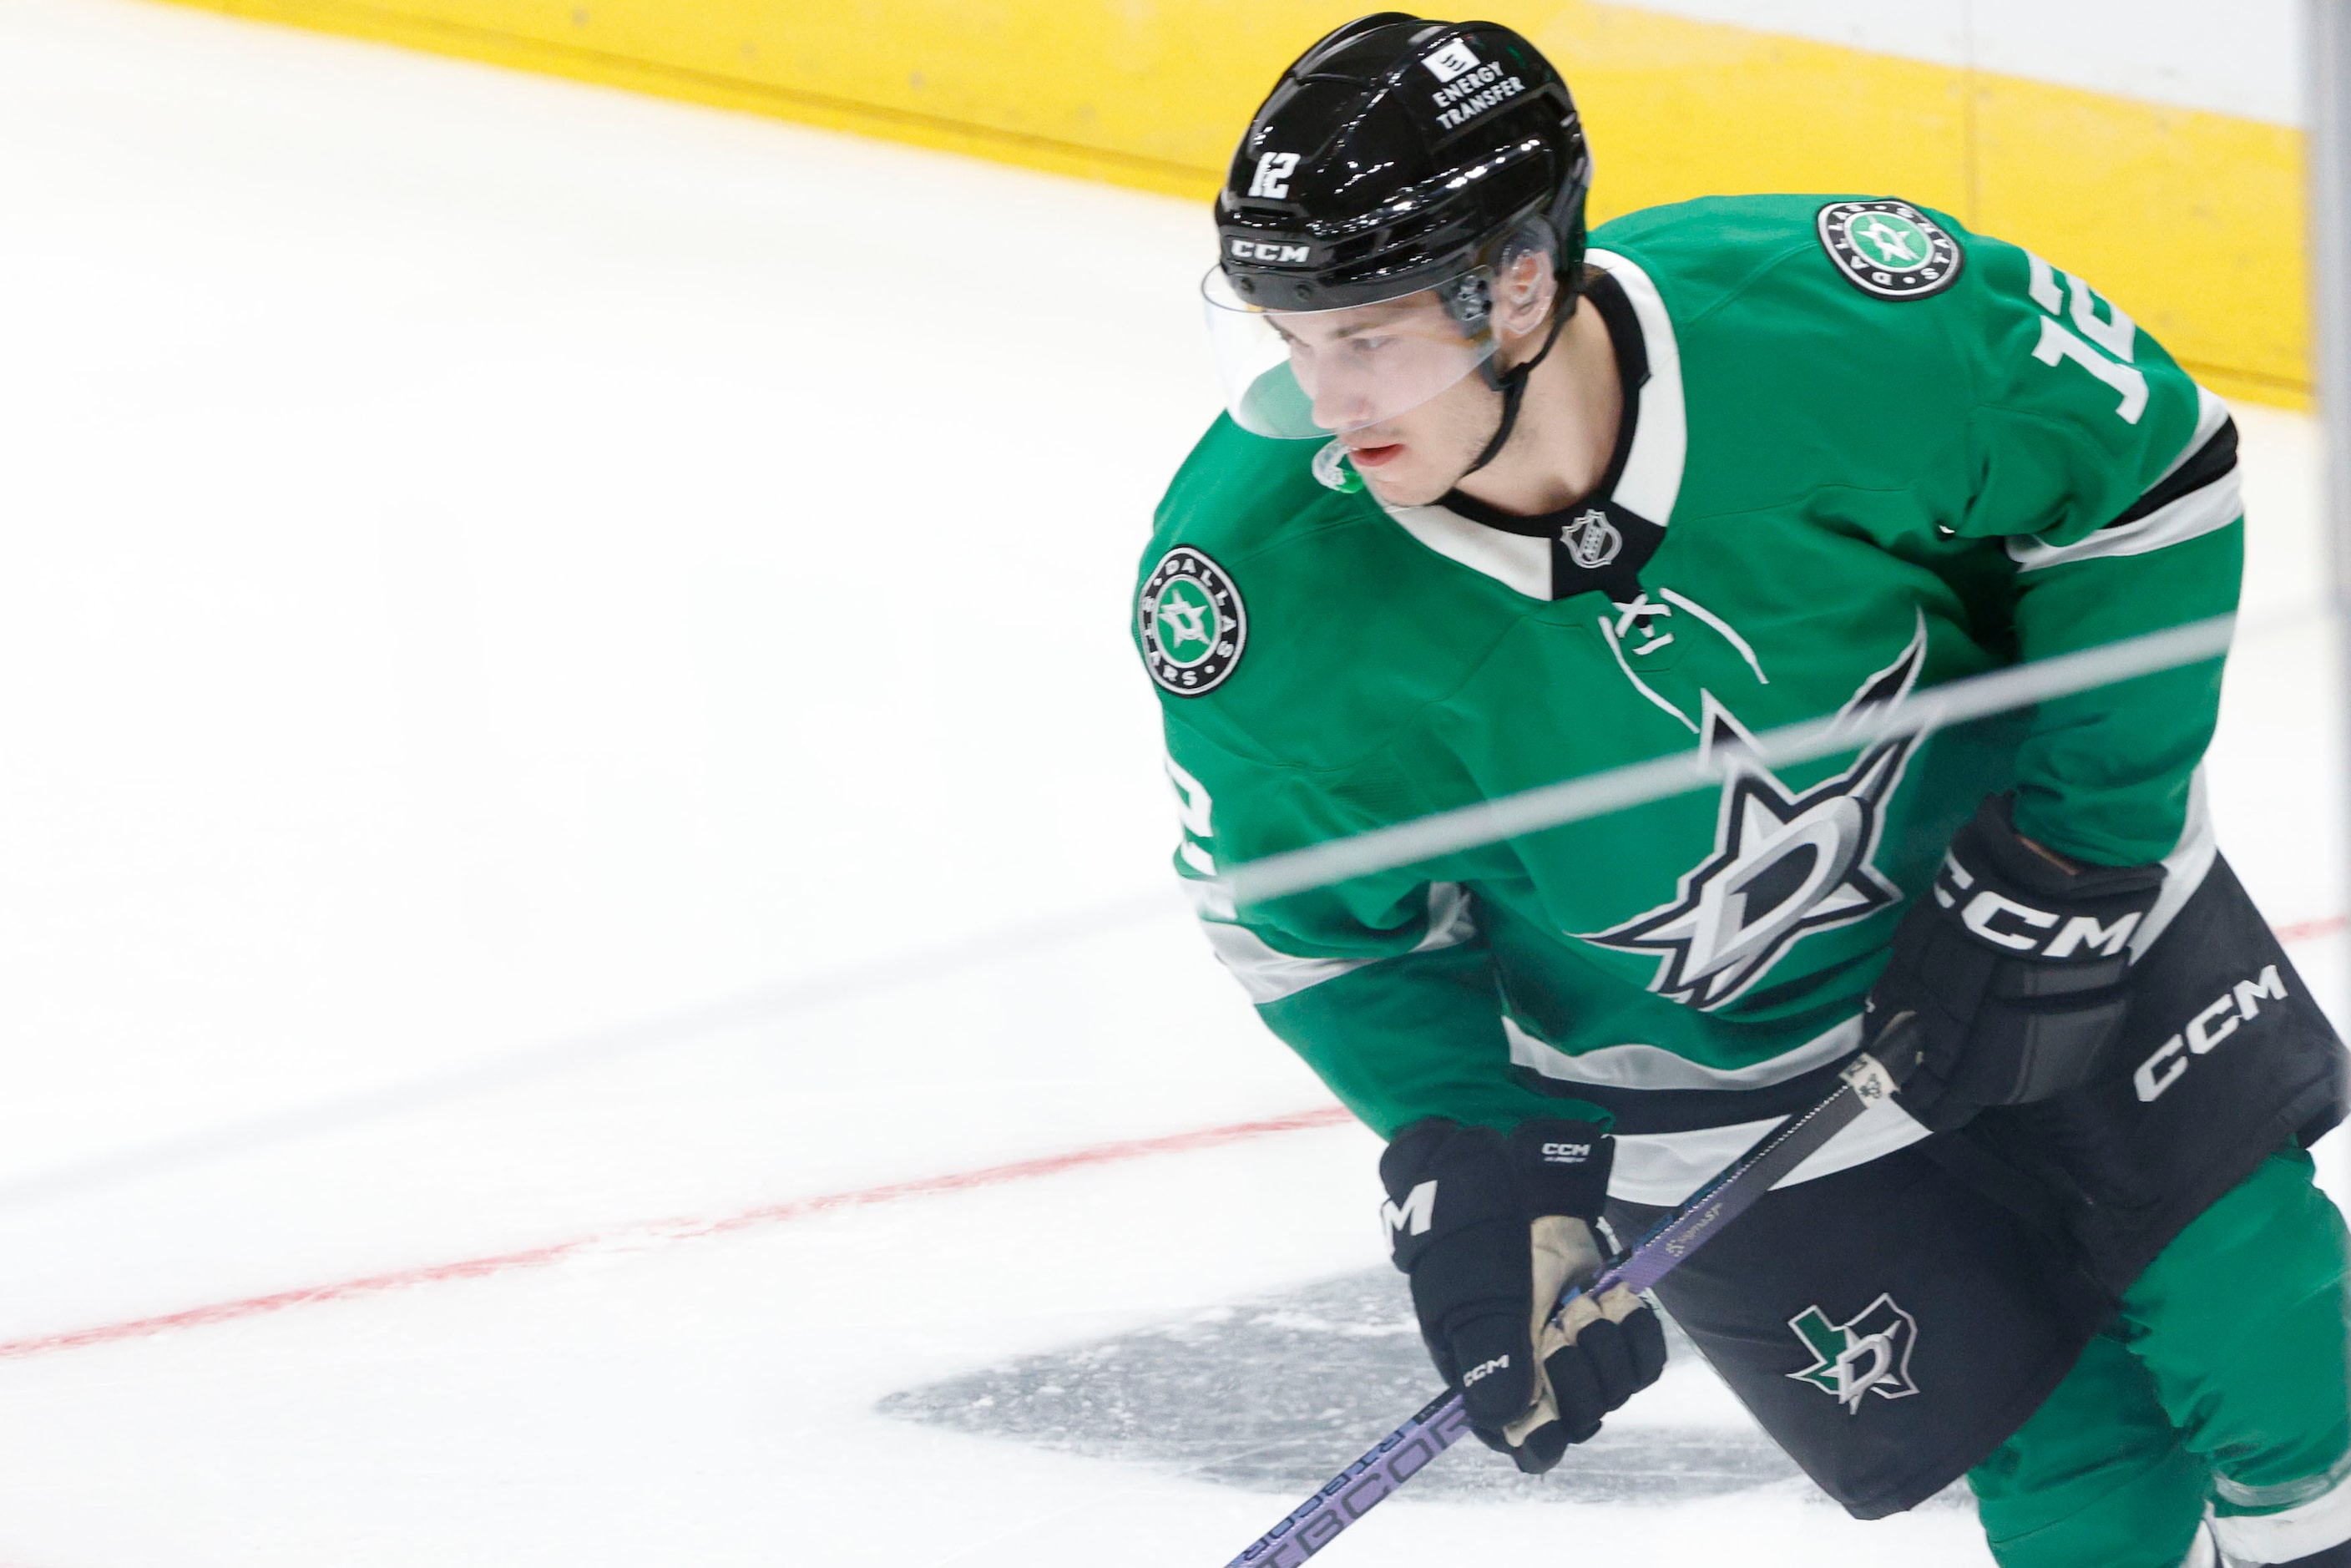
(1649, 485)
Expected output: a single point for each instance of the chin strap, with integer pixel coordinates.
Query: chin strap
(1513, 384)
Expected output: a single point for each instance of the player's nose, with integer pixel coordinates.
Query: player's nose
(1342, 399)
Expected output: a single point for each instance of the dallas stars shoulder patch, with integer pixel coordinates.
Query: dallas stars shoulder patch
(1890, 249)
(1191, 622)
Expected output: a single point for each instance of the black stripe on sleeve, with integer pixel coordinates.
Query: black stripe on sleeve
(2210, 461)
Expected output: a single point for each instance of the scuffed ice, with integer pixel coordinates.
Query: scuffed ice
(1280, 1393)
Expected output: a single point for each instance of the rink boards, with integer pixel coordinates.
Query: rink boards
(2193, 219)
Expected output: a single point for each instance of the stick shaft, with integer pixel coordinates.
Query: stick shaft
(1442, 1422)
(1738, 1190)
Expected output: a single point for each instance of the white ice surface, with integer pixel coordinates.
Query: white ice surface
(490, 562)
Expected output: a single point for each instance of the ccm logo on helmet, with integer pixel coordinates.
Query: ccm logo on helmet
(2216, 1022)
(2021, 928)
(1264, 250)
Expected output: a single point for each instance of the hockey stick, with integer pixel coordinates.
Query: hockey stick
(1438, 1424)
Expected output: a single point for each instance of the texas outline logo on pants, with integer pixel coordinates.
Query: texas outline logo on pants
(1869, 1352)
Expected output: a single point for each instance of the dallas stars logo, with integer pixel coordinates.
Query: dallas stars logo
(1191, 622)
(1890, 249)
(1187, 621)
(1889, 241)
(1784, 865)
(1868, 1354)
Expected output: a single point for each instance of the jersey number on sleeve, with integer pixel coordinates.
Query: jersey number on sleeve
(1192, 803)
(2118, 334)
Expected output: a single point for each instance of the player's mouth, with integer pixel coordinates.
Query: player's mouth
(1374, 456)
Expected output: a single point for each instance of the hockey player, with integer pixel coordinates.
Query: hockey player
(1493, 509)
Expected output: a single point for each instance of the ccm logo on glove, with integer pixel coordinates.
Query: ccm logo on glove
(2001, 920)
(1487, 1264)
(2018, 969)
(1416, 1214)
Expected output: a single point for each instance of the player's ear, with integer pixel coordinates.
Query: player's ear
(1525, 290)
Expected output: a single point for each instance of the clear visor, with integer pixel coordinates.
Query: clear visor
(1298, 374)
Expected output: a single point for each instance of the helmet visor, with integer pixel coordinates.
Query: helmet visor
(1300, 374)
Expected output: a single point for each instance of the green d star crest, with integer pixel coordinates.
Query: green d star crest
(1870, 1353)
(1191, 621)
(1890, 249)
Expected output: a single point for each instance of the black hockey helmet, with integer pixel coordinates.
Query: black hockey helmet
(1395, 155)
(1397, 161)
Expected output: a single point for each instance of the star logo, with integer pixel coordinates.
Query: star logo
(1785, 864)
(1191, 622)
(1888, 245)
(1187, 614)
(1870, 1355)
(1890, 249)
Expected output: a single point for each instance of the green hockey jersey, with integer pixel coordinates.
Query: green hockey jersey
(1863, 452)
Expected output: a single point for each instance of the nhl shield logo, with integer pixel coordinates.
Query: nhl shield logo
(1869, 1353)
(1890, 249)
(1191, 621)
(1592, 540)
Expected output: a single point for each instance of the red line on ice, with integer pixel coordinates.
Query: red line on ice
(674, 1231)
(2304, 930)
(750, 1219)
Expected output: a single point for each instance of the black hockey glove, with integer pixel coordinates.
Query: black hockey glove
(1489, 1229)
(2017, 969)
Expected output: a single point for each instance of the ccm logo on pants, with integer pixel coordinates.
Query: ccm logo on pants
(2208, 1029)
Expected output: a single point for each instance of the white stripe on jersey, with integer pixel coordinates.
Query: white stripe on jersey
(2193, 515)
(2309, 1527)
(1269, 974)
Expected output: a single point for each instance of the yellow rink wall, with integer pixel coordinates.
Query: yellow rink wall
(2192, 220)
